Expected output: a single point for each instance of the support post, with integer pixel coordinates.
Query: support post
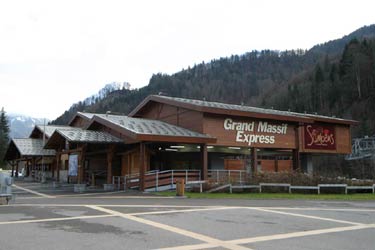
(142, 166)
(110, 154)
(27, 168)
(17, 165)
(276, 164)
(58, 166)
(81, 167)
(254, 160)
(33, 162)
(53, 168)
(12, 170)
(296, 154)
(296, 160)
(204, 156)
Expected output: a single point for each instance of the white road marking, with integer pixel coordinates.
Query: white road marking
(110, 205)
(301, 234)
(276, 237)
(307, 216)
(197, 206)
(116, 197)
(321, 209)
(189, 247)
(33, 192)
(180, 211)
(55, 219)
(210, 240)
(88, 194)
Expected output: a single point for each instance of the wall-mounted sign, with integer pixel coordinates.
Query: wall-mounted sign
(73, 165)
(256, 131)
(319, 136)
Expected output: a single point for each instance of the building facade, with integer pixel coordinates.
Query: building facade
(199, 137)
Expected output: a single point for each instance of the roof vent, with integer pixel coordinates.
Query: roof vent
(108, 113)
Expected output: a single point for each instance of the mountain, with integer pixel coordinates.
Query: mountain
(333, 78)
(21, 125)
(335, 47)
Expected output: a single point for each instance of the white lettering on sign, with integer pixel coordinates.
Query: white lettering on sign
(262, 127)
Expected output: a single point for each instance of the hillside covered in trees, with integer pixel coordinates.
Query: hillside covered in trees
(333, 78)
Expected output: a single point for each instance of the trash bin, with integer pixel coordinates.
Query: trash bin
(180, 187)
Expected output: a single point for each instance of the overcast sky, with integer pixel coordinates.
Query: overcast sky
(55, 53)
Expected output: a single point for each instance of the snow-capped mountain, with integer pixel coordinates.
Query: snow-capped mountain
(21, 125)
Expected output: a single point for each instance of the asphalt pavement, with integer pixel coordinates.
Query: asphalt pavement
(44, 217)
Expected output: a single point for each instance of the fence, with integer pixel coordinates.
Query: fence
(227, 176)
(156, 179)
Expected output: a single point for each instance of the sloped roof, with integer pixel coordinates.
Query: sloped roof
(88, 136)
(237, 110)
(27, 147)
(86, 116)
(140, 128)
(80, 136)
(47, 129)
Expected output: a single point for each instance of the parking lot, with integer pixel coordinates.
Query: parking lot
(48, 218)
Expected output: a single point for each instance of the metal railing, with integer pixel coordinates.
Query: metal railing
(169, 177)
(156, 179)
(227, 176)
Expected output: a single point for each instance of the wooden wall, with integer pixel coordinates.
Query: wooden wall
(130, 162)
(79, 122)
(276, 165)
(185, 118)
(214, 126)
(342, 139)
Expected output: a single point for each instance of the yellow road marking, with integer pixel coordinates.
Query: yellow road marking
(55, 219)
(306, 216)
(301, 234)
(320, 209)
(180, 211)
(33, 192)
(210, 240)
(276, 237)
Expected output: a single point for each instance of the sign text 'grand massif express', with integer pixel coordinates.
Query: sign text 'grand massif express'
(252, 132)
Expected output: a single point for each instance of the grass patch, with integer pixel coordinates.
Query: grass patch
(258, 196)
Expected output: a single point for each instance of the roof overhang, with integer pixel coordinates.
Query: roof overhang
(80, 115)
(26, 148)
(138, 137)
(59, 137)
(293, 117)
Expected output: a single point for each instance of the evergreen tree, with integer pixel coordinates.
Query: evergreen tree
(4, 135)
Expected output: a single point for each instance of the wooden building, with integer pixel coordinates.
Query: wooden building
(29, 152)
(199, 137)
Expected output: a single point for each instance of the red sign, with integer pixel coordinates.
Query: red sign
(319, 136)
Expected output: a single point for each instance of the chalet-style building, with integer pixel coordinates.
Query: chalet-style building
(194, 138)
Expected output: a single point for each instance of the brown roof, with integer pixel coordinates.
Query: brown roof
(237, 110)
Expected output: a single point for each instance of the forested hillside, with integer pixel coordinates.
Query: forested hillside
(335, 78)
